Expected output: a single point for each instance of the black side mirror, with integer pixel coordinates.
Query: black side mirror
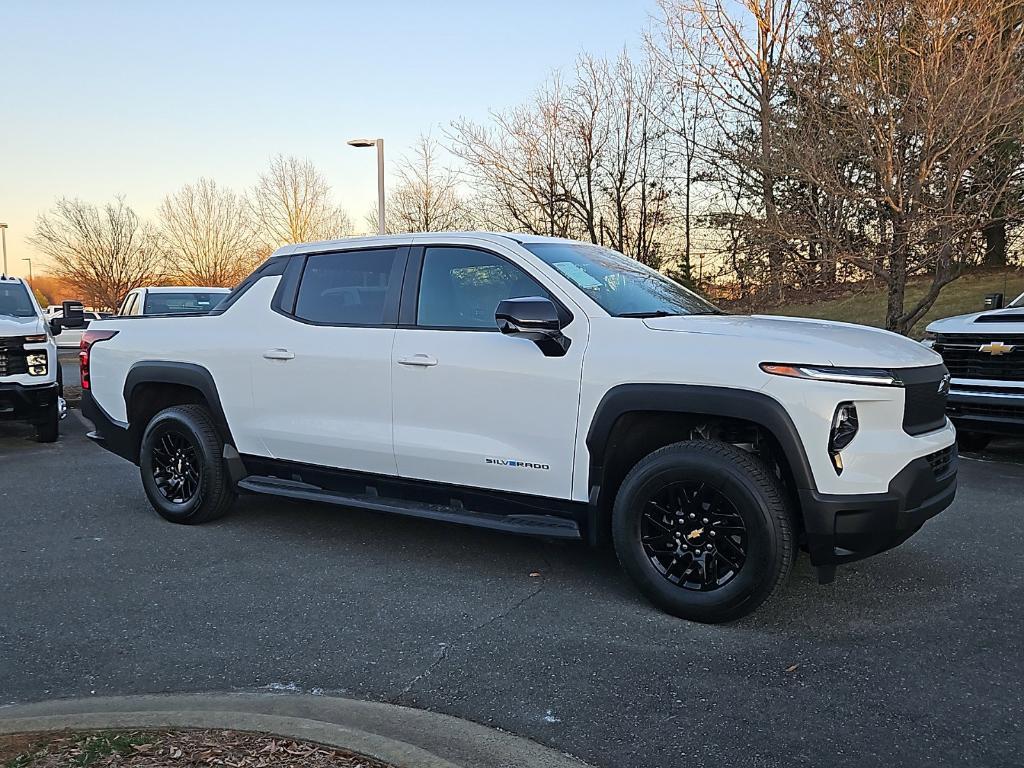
(74, 315)
(534, 318)
(55, 327)
(994, 301)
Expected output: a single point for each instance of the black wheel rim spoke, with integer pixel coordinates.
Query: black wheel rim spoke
(175, 466)
(693, 535)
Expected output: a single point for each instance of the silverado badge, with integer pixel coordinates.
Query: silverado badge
(996, 348)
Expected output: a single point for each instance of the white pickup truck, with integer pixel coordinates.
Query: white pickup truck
(984, 352)
(539, 386)
(31, 384)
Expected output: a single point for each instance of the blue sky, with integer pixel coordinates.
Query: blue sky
(101, 98)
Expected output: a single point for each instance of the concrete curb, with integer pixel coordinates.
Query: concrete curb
(409, 738)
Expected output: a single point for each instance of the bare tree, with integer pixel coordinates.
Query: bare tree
(584, 159)
(207, 236)
(291, 203)
(519, 164)
(736, 52)
(920, 92)
(101, 253)
(425, 196)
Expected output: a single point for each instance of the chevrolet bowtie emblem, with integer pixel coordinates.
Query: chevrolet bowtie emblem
(694, 534)
(996, 348)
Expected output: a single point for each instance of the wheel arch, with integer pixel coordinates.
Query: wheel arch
(633, 420)
(153, 385)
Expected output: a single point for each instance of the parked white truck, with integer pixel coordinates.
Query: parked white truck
(31, 384)
(541, 386)
(984, 352)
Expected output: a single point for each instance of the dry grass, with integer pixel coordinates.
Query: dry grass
(865, 303)
(171, 749)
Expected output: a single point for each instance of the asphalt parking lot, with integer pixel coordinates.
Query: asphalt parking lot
(913, 658)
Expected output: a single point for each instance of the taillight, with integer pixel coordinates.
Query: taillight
(88, 339)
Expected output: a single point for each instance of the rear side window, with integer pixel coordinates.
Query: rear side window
(351, 288)
(185, 302)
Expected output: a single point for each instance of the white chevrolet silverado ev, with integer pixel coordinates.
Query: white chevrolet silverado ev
(539, 386)
(984, 353)
(31, 384)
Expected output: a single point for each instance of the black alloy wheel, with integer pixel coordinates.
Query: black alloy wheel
(176, 469)
(694, 536)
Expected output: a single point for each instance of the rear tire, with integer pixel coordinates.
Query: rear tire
(972, 441)
(703, 529)
(182, 465)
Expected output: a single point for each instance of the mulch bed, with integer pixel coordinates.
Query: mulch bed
(173, 749)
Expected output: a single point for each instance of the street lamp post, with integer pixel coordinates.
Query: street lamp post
(379, 144)
(29, 270)
(3, 237)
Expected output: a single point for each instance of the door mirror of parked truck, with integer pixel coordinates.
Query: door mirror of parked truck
(534, 318)
(73, 315)
(994, 301)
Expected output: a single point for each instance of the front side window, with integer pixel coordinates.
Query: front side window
(351, 288)
(620, 285)
(14, 301)
(462, 287)
(180, 303)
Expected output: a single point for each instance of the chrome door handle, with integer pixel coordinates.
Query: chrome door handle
(278, 354)
(423, 361)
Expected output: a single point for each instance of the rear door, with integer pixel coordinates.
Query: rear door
(322, 369)
(472, 406)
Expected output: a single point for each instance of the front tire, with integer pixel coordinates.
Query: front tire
(703, 529)
(48, 430)
(182, 465)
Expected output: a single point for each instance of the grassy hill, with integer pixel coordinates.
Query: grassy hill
(866, 303)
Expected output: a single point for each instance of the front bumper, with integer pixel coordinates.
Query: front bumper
(990, 413)
(19, 402)
(840, 529)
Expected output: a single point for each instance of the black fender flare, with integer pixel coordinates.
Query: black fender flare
(755, 407)
(186, 374)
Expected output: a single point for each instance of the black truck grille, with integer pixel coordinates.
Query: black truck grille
(13, 360)
(926, 392)
(965, 360)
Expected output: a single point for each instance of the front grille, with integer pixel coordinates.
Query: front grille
(13, 360)
(995, 411)
(963, 358)
(924, 408)
(941, 462)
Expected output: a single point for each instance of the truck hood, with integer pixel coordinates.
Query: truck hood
(800, 340)
(20, 326)
(995, 322)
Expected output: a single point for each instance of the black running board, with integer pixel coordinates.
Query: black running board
(532, 525)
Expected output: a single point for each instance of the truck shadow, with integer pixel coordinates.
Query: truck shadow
(882, 591)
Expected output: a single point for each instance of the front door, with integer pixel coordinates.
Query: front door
(472, 406)
(322, 373)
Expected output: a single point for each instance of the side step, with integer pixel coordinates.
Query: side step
(531, 525)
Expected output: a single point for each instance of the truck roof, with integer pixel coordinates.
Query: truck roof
(415, 238)
(180, 288)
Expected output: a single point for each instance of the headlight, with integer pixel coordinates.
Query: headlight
(35, 339)
(36, 363)
(878, 377)
(844, 429)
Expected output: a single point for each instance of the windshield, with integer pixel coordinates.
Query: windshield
(1018, 302)
(14, 301)
(183, 302)
(622, 286)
